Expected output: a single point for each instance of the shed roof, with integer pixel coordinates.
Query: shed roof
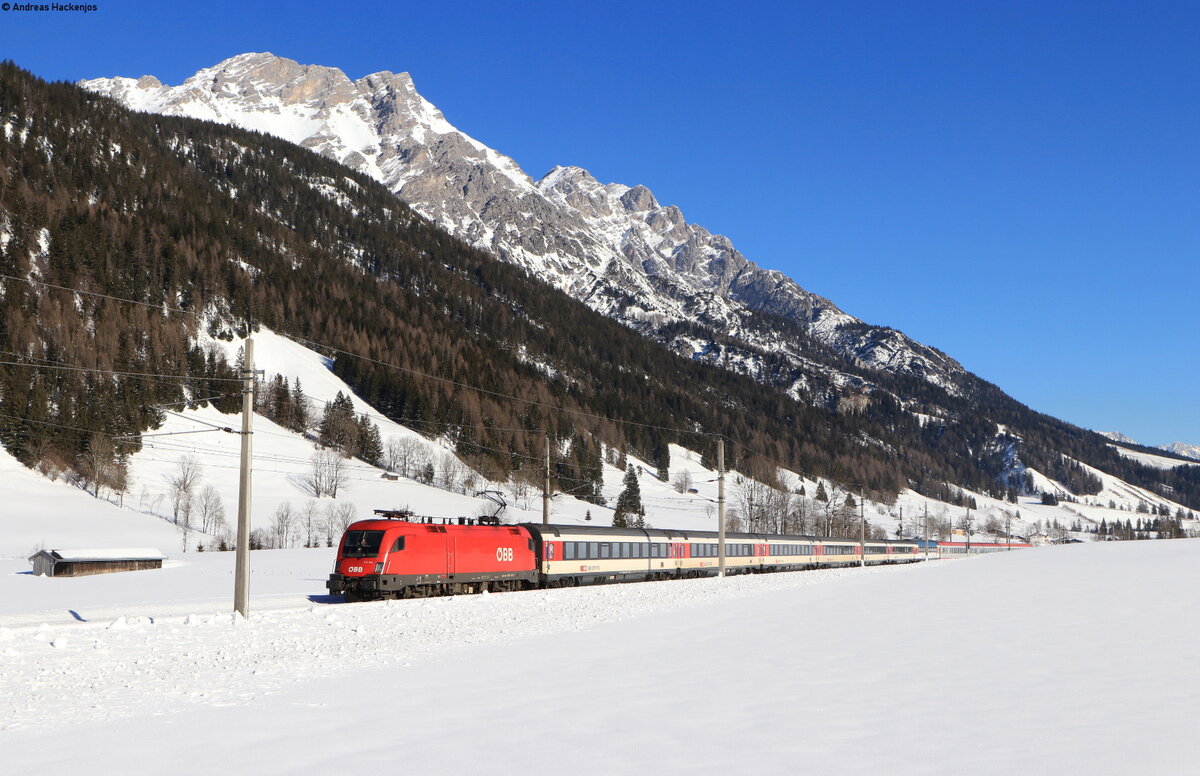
(120, 553)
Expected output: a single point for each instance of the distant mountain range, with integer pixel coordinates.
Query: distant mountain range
(1178, 448)
(1184, 449)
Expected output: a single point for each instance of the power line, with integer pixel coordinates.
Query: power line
(63, 367)
(160, 382)
(55, 425)
(172, 433)
(202, 422)
(35, 283)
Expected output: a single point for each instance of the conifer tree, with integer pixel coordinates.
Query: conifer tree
(662, 459)
(370, 443)
(629, 510)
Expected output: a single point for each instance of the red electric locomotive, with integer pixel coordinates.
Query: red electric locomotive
(401, 559)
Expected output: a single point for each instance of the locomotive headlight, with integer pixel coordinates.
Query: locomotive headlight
(378, 568)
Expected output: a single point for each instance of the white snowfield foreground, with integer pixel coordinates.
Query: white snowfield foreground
(1063, 660)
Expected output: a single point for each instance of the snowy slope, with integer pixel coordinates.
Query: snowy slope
(1157, 461)
(1031, 662)
(1178, 448)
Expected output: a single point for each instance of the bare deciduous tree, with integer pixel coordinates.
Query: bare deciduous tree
(521, 489)
(281, 525)
(327, 474)
(403, 454)
(96, 464)
(683, 481)
(762, 506)
(211, 509)
(309, 521)
(450, 473)
(338, 518)
(832, 510)
(181, 484)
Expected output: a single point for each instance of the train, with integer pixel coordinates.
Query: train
(944, 550)
(401, 556)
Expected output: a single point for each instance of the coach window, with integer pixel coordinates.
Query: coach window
(398, 544)
(605, 550)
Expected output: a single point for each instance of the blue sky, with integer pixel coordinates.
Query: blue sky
(1013, 183)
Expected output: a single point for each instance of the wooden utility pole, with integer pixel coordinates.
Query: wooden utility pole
(546, 487)
(721, 507)
(241, 583)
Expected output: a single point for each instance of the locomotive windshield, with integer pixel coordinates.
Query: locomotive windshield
(362, 544)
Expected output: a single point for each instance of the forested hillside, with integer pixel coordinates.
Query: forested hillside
(220, 228)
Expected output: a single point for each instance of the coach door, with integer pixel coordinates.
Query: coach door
(450, 555)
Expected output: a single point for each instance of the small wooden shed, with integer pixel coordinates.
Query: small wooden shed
(78, 563)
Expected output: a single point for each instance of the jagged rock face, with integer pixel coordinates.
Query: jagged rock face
(610, 245)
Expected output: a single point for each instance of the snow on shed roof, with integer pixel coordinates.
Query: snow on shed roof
(135, 553)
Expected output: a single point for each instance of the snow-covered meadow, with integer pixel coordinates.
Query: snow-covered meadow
(1072, 659)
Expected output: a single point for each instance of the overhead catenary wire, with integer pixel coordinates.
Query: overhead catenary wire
(152, 306)
(96, 370)
(157, 380)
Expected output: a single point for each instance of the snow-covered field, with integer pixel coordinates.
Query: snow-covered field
(1072, 659)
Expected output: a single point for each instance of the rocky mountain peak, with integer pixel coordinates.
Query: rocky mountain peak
(612, 246)
(639, 199)
(264, 75)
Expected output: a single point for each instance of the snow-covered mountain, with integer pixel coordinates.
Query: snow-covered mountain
(1178, 448)
(611, 245)
(1184, 449)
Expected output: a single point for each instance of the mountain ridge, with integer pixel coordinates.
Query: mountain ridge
(613, 246)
